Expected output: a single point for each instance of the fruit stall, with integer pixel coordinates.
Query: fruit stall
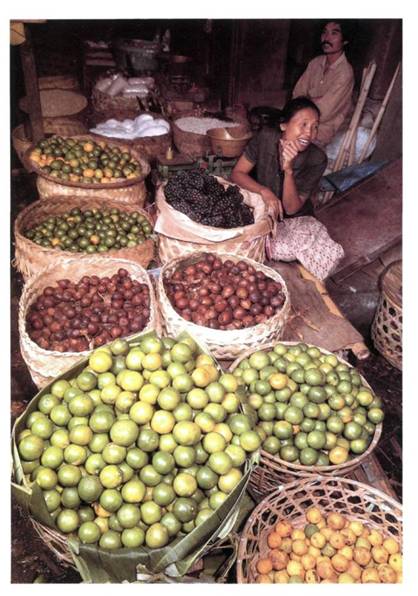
(185, 409)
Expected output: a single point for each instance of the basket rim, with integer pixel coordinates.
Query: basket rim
(146, 168)
(66, 253)
(320, 470)
(51, 353)
(226, 334)
(307, 483)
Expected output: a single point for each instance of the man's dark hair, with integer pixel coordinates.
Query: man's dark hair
(295, 105)
(347, 27)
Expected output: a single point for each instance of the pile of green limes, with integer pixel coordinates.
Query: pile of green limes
(85, 161)
(140, 447)
(312, 408)
(91, 230)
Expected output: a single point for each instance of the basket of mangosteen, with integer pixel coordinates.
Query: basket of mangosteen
(322, 530)
(82, 166)
(66, 311)
(230, 303)
(52, 231)
(201, 212)
(316, 413)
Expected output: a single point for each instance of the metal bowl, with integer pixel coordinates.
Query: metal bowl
(229, 141)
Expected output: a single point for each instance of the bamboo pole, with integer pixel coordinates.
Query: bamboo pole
(346, 142)
(379, 115)
(354, 139)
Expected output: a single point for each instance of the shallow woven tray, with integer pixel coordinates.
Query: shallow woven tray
(145, 167)
(272, 471)
(57, 102)
(30, 257)
(350, 498)
(387, 323)
(45, 365)
(223, 344)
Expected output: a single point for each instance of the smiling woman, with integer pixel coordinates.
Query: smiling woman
(289, 166)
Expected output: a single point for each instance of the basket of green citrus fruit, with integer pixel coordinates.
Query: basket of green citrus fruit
(135, 460)
(52, 231)
(315, 413)
(87, 167)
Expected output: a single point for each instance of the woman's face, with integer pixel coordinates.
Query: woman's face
(302, 128)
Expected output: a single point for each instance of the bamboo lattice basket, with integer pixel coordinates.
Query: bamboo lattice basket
(45, 365)
(387, 323)
(30, 257)
(129, 191)
(272, 471)
(223, 344)
(352, 499)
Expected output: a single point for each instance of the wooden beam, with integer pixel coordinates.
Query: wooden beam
(32, 88)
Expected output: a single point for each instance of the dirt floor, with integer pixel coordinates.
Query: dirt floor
(31, 559)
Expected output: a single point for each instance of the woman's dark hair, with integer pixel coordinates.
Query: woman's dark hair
(295, 105)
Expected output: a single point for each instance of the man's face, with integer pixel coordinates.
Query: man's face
(332, 39)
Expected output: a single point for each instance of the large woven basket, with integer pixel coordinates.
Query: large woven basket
(352, 499)
(149, 147)
(128, 191)
(387, 323)
(272, 471)
(119, 107)
(192, 144)
(223, 344)
(45, 365)
(30, 257)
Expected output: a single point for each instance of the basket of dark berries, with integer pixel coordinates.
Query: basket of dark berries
(67, 311)
(201, 212)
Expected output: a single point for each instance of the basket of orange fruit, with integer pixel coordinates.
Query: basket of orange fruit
(322, 530)
(81, 165)
(316, 414)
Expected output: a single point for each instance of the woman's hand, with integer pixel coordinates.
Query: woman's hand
(288, 152)
(273, 203)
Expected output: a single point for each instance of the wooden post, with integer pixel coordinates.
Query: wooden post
(32, 88)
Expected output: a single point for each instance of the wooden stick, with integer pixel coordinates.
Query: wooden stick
(354, 139)
(379, 115)
(367, 78)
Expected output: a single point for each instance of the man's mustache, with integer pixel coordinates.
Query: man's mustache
(326, 43)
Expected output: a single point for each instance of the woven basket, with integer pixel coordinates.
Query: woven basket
(58, 82)
(118, 107)
(20, 142)
(272, 471)
(55, 541)
(171, 248)
(352, 499)
(191, 144)
(149, 147)
(387, 324)
(223, 344)
(45, 365)
(128, 191)
(30, 257)
(64, 126)
(57, 102)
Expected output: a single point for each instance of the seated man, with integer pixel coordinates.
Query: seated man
(328, 81)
